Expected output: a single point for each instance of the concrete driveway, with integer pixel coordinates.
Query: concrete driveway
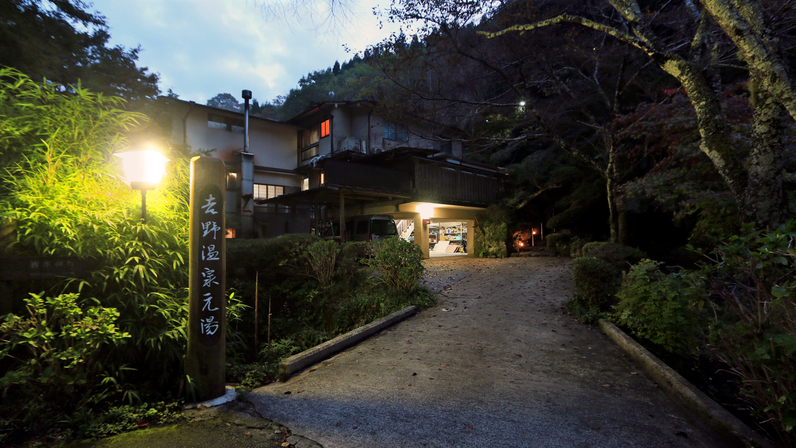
(495, 364)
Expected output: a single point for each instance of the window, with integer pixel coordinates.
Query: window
(263, 191)
(309, 153)
(312, 135)
(444, 146)
(223, 123)
(395, 131)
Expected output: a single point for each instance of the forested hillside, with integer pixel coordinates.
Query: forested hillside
(582, 101)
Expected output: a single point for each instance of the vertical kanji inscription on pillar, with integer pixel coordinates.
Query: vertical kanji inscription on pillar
(210, 293)
(206, 360)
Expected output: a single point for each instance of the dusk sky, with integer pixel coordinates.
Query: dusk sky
(204, 47)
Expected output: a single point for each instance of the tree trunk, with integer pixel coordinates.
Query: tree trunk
(714, 135)
(610, 190)
(745, 23)
(764, 201)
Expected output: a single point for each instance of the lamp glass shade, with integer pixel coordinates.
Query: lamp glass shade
(143, 169)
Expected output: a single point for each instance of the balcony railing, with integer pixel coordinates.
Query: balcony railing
(431, 181)
(358, 175)
(446, 184)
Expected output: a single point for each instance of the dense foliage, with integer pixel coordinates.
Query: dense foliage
(62, 41)
(558, 244)
(660, 308)
(619, 256)
(750, 286)
(59, 353)
(62, 192)
(596, 283)
(314, 290)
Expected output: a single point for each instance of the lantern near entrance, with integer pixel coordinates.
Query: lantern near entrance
(143, 170)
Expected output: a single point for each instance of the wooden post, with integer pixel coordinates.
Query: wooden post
(205, 363)
(256, 312)
(342, 217)
(269, 324)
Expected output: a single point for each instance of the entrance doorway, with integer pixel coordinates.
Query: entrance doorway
(447, 239)
(406, 229)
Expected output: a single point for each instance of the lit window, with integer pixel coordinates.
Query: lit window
(263, 191)
(312, 135)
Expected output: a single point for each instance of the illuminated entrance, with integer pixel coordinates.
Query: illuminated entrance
(447, 239)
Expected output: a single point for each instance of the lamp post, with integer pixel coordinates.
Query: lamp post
(143, 169)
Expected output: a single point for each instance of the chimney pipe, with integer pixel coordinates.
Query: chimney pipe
(247, 95)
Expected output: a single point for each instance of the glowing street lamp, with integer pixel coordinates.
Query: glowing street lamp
(533, 237)
(143, 169)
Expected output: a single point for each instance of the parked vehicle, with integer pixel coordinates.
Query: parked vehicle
(363, 228)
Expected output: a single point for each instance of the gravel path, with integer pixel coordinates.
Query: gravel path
(495, 363)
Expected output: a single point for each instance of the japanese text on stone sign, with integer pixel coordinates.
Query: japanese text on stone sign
(210, 292)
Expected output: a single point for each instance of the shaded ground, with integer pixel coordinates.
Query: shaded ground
(496, 363)
(234, 425)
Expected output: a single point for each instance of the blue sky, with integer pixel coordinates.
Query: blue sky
(204, 47)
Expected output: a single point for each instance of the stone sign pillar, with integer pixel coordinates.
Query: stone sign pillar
(205, 363)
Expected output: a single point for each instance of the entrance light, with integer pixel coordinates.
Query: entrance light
(143, 170)
(426, 210)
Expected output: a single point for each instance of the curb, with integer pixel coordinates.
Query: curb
(289, 366)
(708, 410)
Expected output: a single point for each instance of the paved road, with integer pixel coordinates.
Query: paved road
(495, 364)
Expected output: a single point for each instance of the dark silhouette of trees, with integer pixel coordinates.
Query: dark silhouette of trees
(61, 41)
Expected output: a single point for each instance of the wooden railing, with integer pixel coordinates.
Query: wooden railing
(359, 175)
(448, 184)
(431, 181)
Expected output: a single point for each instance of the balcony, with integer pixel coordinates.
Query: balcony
(369, 177)
(436, 182)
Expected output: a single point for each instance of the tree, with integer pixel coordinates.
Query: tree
(225, 101)
(336, 68)
(689, 48)
(564, 90)
(62, 42)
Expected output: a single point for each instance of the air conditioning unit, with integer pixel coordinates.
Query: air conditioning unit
(354, 144)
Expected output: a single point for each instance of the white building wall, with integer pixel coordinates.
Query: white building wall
(273, 144)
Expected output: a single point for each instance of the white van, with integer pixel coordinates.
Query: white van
(370, 228)
(362, 228)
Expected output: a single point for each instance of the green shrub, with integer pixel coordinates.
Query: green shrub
(596, 283)
(245, 257)
(492, 240)
(491, 232)
(558, 244)
(659, 308)
(752, 289)
(357, 250)
(619, 256)
(318, 261)
(399, 264)
(576, 246)
(56, 356)
(119, 419)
